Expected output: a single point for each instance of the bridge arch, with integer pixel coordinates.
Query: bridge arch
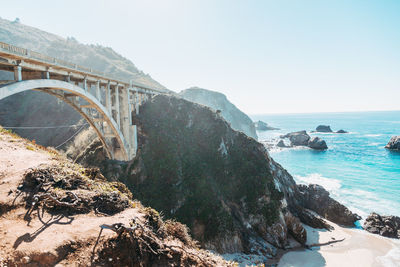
(68, 93)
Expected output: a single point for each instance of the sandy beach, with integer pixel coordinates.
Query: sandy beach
(359, 248)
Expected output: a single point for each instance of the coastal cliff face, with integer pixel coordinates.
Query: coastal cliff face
(195, 168)
(26, 108)
(239, 121)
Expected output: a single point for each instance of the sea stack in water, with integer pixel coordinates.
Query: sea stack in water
(263, 126)
(299, 138)
(342, 131)
(281, 143)
(317, 143)
(388, 226)
(324, 129)
(394, 143)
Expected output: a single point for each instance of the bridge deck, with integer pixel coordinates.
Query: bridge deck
(11, 56)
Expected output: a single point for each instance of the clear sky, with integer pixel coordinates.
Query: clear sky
(266, 56)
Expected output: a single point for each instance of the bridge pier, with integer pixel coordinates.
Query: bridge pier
(18, 73)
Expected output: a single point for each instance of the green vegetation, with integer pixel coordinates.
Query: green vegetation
(183, 169)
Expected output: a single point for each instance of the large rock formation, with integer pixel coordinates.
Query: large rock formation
(317, 143)
(39, 109)
(316, 198)
(299, 138)
(263, 126)
(394, 143)
(324, 129)
(195, 168)
(217, 101)
(388, 226)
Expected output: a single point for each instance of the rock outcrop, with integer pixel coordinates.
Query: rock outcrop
(206, 175)
(394, 143)
(342, 131)
(317, 144)
(317, 199)
(388, 226)
(263, 126)
(219, 102)
(281, 143)
(323, 129)
(221, 183)
(299, 138)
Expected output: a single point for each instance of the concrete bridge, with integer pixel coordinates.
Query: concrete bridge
(107, 104)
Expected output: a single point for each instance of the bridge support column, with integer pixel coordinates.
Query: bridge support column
(18, 73)
(108, 97)
(125, 125)
(85, 84)
(68, 78)
(98, 94)
(117, 105)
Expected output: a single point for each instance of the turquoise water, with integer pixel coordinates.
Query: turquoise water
(356, 169)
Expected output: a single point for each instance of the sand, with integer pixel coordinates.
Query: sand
(359, 248)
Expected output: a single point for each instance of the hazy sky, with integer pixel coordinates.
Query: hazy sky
(266, 56)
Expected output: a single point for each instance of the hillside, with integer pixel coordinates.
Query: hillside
(56, 212)
(222, 184)
(217, 101)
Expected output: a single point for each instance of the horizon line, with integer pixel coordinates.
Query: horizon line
(319, 112)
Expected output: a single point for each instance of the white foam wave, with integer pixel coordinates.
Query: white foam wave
(392, 258)
(329, 184)
(358, 201)
(364, 202)
(373, 144)
(373, 135)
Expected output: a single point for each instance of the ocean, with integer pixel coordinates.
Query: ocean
(356, 169)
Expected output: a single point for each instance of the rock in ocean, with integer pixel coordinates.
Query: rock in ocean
(324, 129)
(394, 143)
(388, 226)
(263, 126)
(317, 143)
(299, 138)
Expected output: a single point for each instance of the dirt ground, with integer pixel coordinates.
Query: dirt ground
(36, 237)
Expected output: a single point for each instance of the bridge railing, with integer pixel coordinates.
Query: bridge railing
(14, 49)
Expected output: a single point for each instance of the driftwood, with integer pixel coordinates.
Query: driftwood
(48, 198)
(324, 244)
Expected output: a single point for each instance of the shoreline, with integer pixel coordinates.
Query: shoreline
(358, 248)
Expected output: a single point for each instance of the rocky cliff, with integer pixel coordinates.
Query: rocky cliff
(195, 168)
(219, 102)
(38, 109)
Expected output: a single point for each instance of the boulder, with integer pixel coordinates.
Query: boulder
(263, 126)
(317, 143)
(324, 129)
(317, 199)
(394, 143)
(299, 138)
(281, 143)
(341, 131)
(388, 226)
(295, 228)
